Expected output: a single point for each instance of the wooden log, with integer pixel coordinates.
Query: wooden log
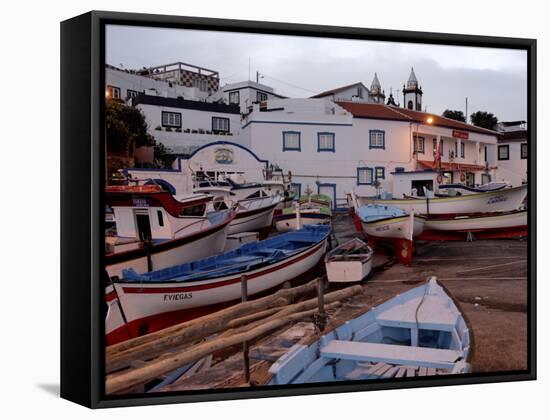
(300, 306)
(128, 379)
(119, 355)
(252, 317)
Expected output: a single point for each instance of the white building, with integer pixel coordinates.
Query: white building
(215, 160)
(247, 93)
(334, 148)
(184, 125)
(177, 80)
(510, 156)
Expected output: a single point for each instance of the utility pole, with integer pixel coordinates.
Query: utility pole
(466, 110)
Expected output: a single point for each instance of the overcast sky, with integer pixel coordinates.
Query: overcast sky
(494, 80)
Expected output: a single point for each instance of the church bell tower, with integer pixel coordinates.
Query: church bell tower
(412, 93)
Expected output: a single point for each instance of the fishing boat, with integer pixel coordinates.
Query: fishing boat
(155, 230)
(313, 209)
(446, 190)
(478, 222)
(254, 214)
(349, 262)
(389, 222)
(140, 303)
(418, 333)
(470, 227)
(506, 199)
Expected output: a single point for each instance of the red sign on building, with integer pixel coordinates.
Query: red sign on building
(460, 134)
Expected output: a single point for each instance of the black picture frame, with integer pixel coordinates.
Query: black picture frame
(82, 180)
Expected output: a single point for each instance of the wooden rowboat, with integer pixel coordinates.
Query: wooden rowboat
(418, 333)
(349, 262)
(141, 303)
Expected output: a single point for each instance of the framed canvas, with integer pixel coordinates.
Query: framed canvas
(257, 209)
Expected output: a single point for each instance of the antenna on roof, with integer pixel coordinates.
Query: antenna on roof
(248, 68)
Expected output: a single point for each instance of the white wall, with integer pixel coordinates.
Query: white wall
(180, 176)
(513, 170)
(247, 93)
(182, 142)
(126, 81)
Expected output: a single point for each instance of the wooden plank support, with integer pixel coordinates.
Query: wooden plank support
(389, 353)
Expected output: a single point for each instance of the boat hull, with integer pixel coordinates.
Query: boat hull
(170, 253)
(403, 227)
(252, 221)
(473, 223)
(141, 301)
(509, 199)
(348, 271)
(418, 333)
(287, 222)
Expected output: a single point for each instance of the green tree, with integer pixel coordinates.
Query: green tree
(125, 129)
(164, 157)
(484, 119)
(454, 115)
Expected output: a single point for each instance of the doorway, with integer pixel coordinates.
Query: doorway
(419, 185)
(143, 227)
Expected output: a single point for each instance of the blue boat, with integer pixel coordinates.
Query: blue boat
(375, 212)
(418, 333)
(147, 298)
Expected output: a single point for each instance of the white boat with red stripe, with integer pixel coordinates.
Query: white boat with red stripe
(141, 303)
(155, 230)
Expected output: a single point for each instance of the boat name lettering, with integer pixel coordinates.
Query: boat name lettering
(178, 296)
(140, 202)
(497, 199)
(382, 228)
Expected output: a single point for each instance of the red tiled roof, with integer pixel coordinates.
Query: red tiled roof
(331, 91)
(386, 112)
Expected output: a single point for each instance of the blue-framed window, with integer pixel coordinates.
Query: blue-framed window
(377, 139)
(326, 142)
(462, 149)
(364, 176)
(297, 188)
(291, 141)
(380, 172)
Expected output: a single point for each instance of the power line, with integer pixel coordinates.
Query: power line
(288, 84)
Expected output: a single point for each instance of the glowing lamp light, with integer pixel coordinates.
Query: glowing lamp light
(430, 120)
(107, 94)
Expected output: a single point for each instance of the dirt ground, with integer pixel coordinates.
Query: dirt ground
(487, 278)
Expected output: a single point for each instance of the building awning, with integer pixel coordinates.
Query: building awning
(451, 166)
